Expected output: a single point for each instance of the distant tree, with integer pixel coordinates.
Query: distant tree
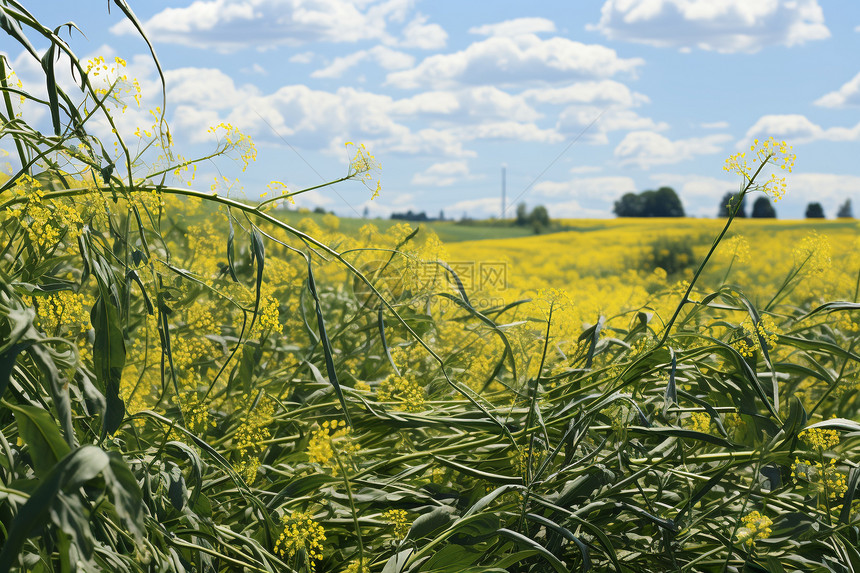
(845, 211)
(320, 210)
(727, 205)
(441, 215)
(814, 211)
(366, 212)
(763, 209)
(630, 205)
(663, 202)
(522, 215)
(539, 218)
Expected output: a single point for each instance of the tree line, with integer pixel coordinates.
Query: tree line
(664, 202)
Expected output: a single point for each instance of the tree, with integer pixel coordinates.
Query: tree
(539, 218)
(814, 211)
(727, 205)
(845, 211)
(522, 215)
(630, 205)
(763, 209)
(663, 202)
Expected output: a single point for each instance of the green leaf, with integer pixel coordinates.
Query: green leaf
(109, 360)
(41, 433)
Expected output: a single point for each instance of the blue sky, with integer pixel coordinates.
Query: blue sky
(631, 94)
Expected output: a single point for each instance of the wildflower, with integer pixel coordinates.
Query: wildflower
(253, 430)
(826, 479)
(397, 518)
(819, 438)
(770, 152)
(699, 422)
(756, 526)
(402, 389)
(739, 247)
(333, 438)
(362, 167)
(301, 532)
(814, 253)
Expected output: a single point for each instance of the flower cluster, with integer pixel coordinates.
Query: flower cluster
(826, 479)
(401, 389)
(769, 151)
(253, 430)
(399, 519)
(739, 247)
(230, 139)
(814, 254)
(361, 167)
(301, 532)
(756, 526)
(751, 336)
(699, 422)
(332, 439)
(820, 439)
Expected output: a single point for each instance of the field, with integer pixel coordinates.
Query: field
(189, 382)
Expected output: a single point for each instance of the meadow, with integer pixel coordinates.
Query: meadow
(195, 382)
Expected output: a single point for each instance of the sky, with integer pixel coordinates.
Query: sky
(581, 101)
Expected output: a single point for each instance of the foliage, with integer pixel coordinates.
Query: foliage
(538, 219)
(663, 202)
(814, 210)
(763, 209)
(189, 383)
(845, 211)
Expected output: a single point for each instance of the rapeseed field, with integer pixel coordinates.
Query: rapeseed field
(189, 383)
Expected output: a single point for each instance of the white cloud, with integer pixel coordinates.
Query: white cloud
(509, 130)
(592, 188)
(602, 92)
(848, 94)
(724, 26)
(475, 208)
(231, 25)
(513, 60)
(302, 58)
(515, 27)
(386, 58)
(796, 128)
(575, 210)
(696, 186)
(470, 104)
(715, 125)
(602, 121)
(419, 34)
(444, 174)
(255, 69)
(646, 148)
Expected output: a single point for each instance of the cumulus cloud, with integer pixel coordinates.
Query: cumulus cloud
(502, 60)
(715, 125)
(444, 174)
(484, 207)
(302, 58)
(599, 188)
(797, 128)
(847, 95)
(419, 34)
(515, 27)
(696, 186)
(727, 26)
(231, 25)
(385, 57)
(603, 121)
(647, 148)
(604, 92)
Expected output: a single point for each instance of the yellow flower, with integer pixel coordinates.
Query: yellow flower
(699, 422)
(756, 526)
(819, 438)
(301, 532)
(399, 519)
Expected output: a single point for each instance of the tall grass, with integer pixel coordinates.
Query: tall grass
(188, 383)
